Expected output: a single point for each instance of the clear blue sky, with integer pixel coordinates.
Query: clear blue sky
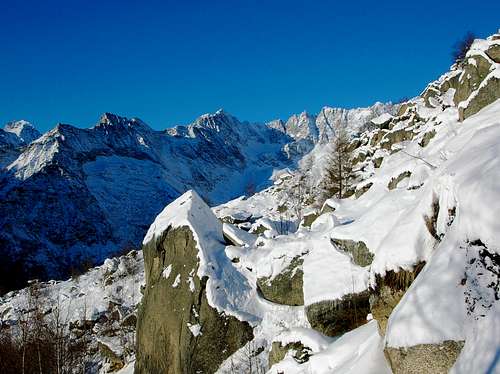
(169, 61)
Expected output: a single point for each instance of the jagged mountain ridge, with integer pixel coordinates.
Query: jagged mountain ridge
(13, 138)
(77, 195)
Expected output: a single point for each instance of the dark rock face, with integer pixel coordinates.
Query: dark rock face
(389, 291)
(51, 207)
(334, 317)
(287, 287)
(177, 330)
(424, 358)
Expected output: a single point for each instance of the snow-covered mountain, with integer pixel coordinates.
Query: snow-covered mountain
(78, 195)
(13, 138)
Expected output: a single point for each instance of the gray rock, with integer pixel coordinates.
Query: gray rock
(393, 183)
(486, 95)
(165, 343)
(278, 352)
(287, 287)
(494, 52)
(334, 317)
(359, 252)
(424, 358)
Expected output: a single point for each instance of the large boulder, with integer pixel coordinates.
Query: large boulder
(287, 287)
(396, 136)
(487, 93)
(298, 351)
(178, 330)
(358, 251)
(493, 52)
(424, 358)
(335, 317)
(475, 70)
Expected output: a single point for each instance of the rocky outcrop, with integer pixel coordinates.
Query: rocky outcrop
(426, 138)
(278, 352)
(424, 358)
(309, 218)
(334, 317)
(487, 93)
(388, 292)
(178, 331)
(393, 183)
(493, 52)
(361, 190)
(396, 136)
(377, 161)
(113, 360)
(475, 70)
(287, 287)
(358, 251)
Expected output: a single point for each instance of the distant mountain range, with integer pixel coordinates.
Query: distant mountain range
(73, 196)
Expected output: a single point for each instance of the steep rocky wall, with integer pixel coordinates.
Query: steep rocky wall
(177, 330)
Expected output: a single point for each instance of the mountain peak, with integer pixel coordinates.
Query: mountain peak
(114, 120)
(23, 129)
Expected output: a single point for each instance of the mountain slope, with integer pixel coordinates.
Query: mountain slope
(77, 195)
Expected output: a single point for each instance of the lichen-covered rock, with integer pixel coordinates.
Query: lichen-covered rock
(177, 330)
(359, 252)
(404, 108)
(360, 157)
(278, 352)
(424, 358)
(396, 136)
(488, 92)
(450, 82)
(475, 70)
(426, 138)
(493, 52)
(377, 136)
(393, 183)
(309, 218)
(287, 287)
(361, 190)
(430, 92)
(355, 143)
(334, 317)
(377, 161)
(327, 208)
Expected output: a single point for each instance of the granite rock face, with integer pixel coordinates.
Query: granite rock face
(177, 329)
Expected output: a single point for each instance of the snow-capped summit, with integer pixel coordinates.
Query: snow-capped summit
(24, 130)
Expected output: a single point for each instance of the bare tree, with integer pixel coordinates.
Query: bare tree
(339, 173)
